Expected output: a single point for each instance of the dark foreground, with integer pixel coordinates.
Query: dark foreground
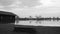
(9, 29)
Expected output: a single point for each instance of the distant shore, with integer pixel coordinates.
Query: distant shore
(38, 19)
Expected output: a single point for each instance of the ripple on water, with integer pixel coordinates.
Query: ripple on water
(39, 23)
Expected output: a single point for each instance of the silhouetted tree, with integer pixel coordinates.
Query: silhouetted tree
(53, 18)
(38, 17)
(30, 16)
(57, 18)
(50, 18)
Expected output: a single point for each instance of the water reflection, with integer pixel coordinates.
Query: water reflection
(39, 23)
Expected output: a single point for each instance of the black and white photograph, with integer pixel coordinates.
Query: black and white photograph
(29, 16)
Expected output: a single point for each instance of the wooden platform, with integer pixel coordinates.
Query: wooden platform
(39, 28)
(4, 28)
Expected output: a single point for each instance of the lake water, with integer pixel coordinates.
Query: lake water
(39, 23)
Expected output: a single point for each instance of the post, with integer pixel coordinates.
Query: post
(16, 19)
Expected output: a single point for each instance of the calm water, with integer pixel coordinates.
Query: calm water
(39, 23)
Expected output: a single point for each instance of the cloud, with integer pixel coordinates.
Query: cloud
(47, 8)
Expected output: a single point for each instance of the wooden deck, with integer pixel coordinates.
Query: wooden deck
(9, 29)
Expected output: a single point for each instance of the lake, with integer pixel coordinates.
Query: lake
(39, 23)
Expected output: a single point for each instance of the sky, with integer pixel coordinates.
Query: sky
(26, 8)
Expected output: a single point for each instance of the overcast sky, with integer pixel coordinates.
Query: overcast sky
(26, 8)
